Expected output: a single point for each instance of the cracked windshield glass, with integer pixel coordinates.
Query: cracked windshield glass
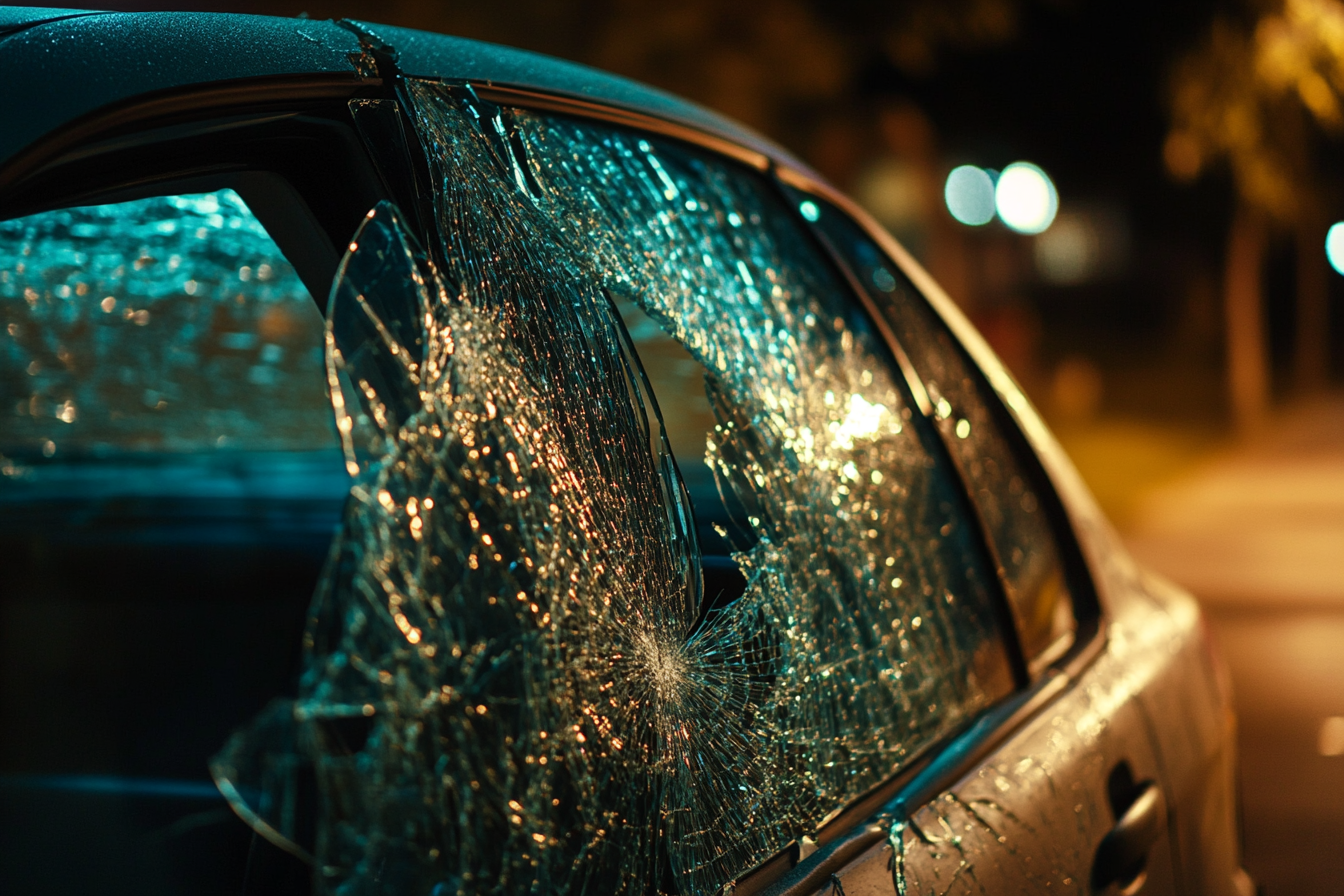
(649, 567)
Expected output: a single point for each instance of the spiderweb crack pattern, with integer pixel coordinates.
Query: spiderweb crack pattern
(512, 612)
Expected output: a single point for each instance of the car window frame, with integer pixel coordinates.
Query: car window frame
(107, 157)
(1088, 610)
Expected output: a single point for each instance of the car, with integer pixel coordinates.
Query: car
(430, 467)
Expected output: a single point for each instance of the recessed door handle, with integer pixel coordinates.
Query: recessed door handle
(1121, 855)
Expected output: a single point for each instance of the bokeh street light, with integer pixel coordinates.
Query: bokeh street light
(1334, 246)
(969, 193)
(1022, 195)
(1025, 198)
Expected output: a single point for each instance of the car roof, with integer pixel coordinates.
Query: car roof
(59, 65)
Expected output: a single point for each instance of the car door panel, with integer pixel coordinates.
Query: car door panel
(1031, 817)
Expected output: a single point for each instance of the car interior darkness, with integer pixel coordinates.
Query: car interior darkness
(166, 611)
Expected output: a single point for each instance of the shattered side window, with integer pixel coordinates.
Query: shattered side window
(516, 678)
(171, 323)
(1002, 489)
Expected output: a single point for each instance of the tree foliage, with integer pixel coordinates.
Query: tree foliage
(1256, 93)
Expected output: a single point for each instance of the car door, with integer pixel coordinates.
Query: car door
(663, 567)
(722, 295)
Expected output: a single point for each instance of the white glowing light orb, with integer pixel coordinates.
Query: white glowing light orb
(863, 421)
(969, 193)
(1334, 246)
(1025, 198)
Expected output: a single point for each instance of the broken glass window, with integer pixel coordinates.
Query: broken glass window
(171, 323)
(515, 678)
(962, 400)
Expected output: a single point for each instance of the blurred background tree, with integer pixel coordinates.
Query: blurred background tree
(1259, 93)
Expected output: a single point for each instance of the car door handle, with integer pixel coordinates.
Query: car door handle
(1120, 857)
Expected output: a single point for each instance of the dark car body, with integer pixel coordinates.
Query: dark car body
(1104, 762)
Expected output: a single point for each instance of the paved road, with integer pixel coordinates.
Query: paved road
(1258, 535)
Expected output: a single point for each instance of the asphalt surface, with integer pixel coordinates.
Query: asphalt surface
(1257, 533)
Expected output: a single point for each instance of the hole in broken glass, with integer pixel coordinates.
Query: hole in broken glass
(679, 383)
